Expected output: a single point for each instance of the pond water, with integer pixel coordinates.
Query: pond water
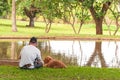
(71, 52)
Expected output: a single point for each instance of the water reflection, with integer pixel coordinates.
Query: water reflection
(97, 56)
(80, 53)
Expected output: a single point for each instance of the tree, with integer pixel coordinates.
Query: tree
(50, 9)
(14, 28)
(29, 8)
(31, 13)
(68, 10)
(98, 10)
(115, 11)
(74, 11)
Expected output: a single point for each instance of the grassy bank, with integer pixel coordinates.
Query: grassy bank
(71, 73)
(57, 30)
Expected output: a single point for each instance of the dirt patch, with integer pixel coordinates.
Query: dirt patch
(9, 62)
(63, 38)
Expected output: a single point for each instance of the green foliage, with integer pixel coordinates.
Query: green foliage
(4, 7)
(82, 13)
(22, 4)
(69, 8)
(61, 9)
(37, 3)
(87, 3)
(51, 9)
(97, 6)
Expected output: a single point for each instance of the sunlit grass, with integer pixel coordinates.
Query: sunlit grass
(70, 73)
(57, 29)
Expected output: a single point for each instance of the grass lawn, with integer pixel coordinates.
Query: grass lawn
(57, 30)
(70, 73)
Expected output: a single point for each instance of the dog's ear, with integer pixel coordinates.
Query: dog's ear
(49, 58)
(46, 60)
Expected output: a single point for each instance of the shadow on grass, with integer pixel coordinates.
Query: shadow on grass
(21, 26)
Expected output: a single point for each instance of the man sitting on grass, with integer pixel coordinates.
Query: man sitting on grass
(30, 56)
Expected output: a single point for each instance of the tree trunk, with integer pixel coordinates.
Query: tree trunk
(98, 23)
(14, 28)
(31, 23)
(31, 13)
(99, 19)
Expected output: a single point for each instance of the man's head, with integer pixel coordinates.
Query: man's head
(33, 41)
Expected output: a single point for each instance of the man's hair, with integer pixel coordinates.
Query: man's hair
(33, 40)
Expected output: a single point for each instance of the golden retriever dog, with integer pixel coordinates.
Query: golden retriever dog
(52, 63)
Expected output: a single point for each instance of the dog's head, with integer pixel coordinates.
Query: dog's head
(47, 59)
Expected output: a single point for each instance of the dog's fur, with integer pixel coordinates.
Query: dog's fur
(52, 63)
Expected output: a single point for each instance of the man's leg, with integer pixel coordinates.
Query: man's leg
(26, 66)
(37, 63)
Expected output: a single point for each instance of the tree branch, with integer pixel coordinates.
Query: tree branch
(105, 7)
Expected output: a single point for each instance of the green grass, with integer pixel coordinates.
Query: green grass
(70, 73)
(57, 30)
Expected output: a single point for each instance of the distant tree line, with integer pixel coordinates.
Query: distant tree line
(69, 11)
